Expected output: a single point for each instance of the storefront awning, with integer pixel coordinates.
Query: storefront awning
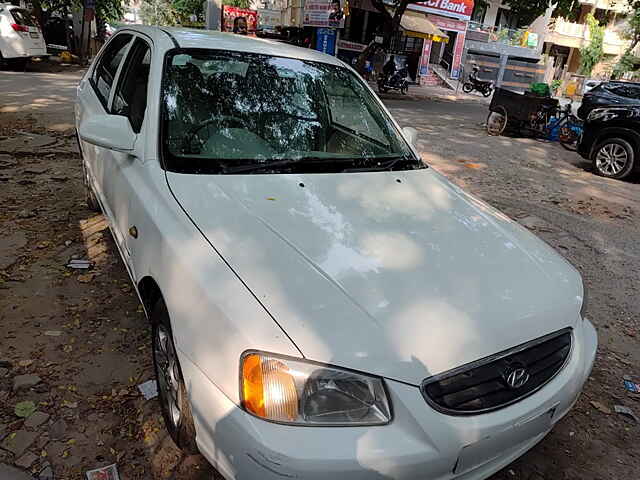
(420, 27)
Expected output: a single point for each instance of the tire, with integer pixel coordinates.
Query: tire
(404, 90)
(487, 92)
(172, 393)
(467, 88)
(497, 122)
(613, 158)
(3, 62)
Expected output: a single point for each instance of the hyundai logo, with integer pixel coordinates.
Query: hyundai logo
(516, 377)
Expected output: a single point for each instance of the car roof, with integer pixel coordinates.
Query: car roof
(210, 39)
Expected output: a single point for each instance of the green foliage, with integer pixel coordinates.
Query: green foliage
(159, 12)
(110, 10)
(593, 52)
(185, 8)
(628, 61)
(555, 85)
(527, 11)
(238, 3)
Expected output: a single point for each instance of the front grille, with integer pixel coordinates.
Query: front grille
(484, 385)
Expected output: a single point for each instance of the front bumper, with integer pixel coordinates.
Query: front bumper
(419, 443)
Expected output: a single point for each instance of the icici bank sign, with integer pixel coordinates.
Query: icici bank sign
(460, 9)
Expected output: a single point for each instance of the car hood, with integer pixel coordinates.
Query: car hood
(399, 274)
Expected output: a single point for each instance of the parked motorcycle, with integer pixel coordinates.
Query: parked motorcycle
(485, 87)
(397, 81)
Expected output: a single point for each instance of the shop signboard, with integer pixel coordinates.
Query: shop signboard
(460, 9)
(323, 13)
(326, 40)
(351, 46)
(269, 19)
(230, 14)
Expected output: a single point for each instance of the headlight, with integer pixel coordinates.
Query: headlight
(605, 114)
(291, 391)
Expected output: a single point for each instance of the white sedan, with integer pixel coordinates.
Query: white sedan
(323, 304)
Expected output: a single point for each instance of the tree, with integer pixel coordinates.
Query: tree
(185, 8)
(527, 11)
(628, 61)
(238, 3)
(158, 12)
(592, 53)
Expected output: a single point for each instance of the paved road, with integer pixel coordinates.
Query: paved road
(46, 96)
(593, 222)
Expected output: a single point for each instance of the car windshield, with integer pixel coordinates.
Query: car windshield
(231, 112)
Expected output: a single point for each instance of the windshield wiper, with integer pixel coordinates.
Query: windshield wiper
(384, 162)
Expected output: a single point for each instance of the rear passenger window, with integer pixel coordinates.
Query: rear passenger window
(22, 17)
(106, 70)
(131, 97)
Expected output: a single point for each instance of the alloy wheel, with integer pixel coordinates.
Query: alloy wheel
(168, 374)
(611, 159)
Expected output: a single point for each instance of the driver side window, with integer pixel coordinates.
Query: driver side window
(105, 72)
(130, 99)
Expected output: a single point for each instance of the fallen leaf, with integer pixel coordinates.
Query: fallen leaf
(85, 278)
(25, 409)
(53, 333)
(473, 165)
(68, 404)
(25, 363)
(601, 407)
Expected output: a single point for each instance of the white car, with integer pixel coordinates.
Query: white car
(20, 36)
(323, 304)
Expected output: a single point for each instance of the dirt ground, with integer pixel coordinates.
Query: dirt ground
(76, 343)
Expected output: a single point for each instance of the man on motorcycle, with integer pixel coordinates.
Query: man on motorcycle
(390, 67)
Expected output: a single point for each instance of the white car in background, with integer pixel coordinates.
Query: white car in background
(322, 304)
(20, 36)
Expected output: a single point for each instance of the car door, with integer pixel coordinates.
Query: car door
(95, 95)
(130, 100)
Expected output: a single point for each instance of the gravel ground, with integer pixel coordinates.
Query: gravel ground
(76, 344)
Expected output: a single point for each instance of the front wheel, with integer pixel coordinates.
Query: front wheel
(467, 88)
(569, 136)
(613, 158)
(172, 392)
(487, 92)
(404, 89)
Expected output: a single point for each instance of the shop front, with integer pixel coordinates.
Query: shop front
(451, 17)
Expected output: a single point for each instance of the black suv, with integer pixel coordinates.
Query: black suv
(611, 140)
(610, 94)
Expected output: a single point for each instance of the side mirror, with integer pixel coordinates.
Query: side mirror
(113, 132)
(411, 134)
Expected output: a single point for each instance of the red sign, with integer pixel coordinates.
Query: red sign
(460, 9)
(457, 55)
(230, 14)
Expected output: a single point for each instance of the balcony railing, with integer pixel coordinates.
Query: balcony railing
(507, 36)
(579, 34)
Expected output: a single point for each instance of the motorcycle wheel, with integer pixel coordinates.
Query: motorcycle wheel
(497, 121)
(404, 89)
(487, 92)
(467, 88)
